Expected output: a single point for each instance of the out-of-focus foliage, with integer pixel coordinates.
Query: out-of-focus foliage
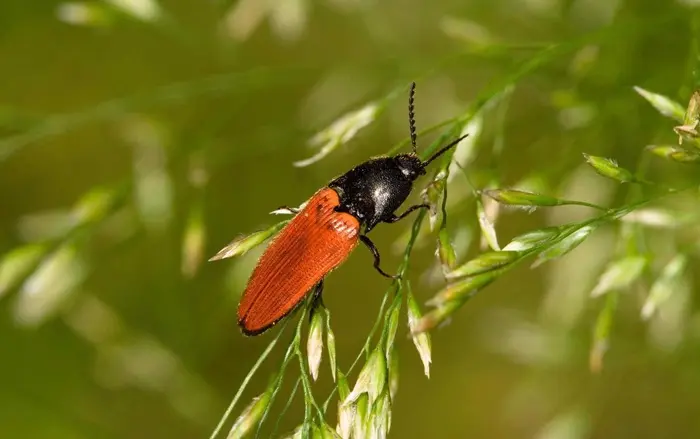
(138, 137)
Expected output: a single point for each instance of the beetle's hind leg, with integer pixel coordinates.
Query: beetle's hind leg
(370, 245)
(316, 298)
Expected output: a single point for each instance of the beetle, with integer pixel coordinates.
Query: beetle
(327, 229)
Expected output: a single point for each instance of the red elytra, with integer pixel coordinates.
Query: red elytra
(315, 241)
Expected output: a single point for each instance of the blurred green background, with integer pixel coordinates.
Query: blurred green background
(138, 138)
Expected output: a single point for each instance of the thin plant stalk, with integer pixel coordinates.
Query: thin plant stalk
(246, 380)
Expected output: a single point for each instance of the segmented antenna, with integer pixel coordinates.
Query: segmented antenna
(411, 115)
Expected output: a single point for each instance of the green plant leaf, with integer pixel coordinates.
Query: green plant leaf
(575, 237)
(488, 231)
(609, 168)
(601, 333)
(675, 153)
(483, 263)
(463, 289)
(314, 345)
(245, 243)
(664, 286)
(421, 339)
(340, 132)
(249, 417)
(663, 104)
(620, 274)
(17, 264)
(330, 341)
(513, 197)
(533, 239)
(372, 378)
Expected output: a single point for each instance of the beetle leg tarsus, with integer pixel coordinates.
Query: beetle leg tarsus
(370, 245)
(394, 218)
(316, 298)
(318, 294)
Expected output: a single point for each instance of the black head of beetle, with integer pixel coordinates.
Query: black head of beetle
(373, 190)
